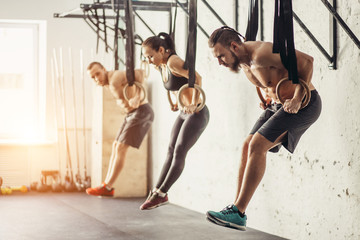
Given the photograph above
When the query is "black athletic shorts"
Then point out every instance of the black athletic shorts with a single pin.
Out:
(136, 124)
(274, 121)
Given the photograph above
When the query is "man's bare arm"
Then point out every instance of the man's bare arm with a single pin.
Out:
(136, 92)
(305, 71)
(263, 56)
(305, 66)
(266, 58)
(117, 83)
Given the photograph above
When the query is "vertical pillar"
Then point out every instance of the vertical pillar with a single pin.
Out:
(132, 181)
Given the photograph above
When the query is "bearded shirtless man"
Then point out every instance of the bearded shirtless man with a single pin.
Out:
(278, 125)
(133, 130)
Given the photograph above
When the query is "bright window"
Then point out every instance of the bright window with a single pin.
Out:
(22, 80)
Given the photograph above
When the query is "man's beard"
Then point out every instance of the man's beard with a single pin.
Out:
(235, 66)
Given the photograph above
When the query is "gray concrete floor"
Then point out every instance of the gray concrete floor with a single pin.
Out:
(78, 216)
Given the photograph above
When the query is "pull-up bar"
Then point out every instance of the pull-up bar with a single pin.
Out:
(137, 5)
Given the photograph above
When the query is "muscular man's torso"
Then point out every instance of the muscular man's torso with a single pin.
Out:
(117, 83)
(266, 76)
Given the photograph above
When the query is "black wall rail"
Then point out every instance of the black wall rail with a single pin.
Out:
(332, 58)
(93, 21)
(99, 25)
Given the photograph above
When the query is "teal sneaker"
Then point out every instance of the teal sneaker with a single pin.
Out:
(228, 217)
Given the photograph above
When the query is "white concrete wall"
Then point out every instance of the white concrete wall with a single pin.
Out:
(311, 194)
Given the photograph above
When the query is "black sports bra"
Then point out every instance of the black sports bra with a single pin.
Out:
(173, 83)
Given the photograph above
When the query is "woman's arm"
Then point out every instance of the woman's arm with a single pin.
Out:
(176, 67)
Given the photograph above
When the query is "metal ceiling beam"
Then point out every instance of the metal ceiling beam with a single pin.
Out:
(137, 5)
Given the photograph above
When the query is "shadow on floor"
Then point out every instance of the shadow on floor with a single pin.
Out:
(78, 216)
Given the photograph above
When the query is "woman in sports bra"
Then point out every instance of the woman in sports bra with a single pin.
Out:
(189, 125)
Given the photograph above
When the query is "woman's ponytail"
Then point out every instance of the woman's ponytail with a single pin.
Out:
(161, 40)
(168, 40)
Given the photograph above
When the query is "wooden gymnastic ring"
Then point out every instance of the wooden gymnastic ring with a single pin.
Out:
(173, 105)
(197, 87)
(137, 84)
(305, 102)
(266, 102)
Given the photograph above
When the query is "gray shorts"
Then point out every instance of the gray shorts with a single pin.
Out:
(136, 124)
(274, 121)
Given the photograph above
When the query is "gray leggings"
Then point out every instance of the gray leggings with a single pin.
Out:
(186, 131)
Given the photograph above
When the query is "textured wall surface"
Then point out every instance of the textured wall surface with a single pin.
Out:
(132, 181)
(311, 194)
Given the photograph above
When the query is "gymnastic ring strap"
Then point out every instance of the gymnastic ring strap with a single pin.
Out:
(190, 58)
(137, 84)
(197, 87)
(174, 106)
(305, 102)
(283, 37)
(253, 21)
(130, 43)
